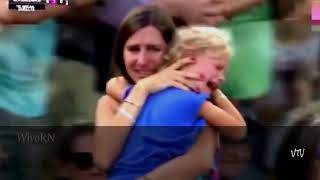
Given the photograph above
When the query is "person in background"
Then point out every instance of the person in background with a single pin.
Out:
(27, 50)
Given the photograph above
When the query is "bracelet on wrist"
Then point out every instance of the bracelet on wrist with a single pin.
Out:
(126, 114)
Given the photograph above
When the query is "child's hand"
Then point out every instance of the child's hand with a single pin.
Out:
(171, 77)
(115, 87)
(217, 93)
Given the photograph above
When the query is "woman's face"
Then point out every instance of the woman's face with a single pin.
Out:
(211, 68)
(143, 52)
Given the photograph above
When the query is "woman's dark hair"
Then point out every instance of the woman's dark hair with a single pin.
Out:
(134, 21)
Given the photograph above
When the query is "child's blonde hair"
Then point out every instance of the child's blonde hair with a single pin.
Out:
(198, 39)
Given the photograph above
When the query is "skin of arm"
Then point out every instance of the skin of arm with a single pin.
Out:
(223, 102)
(15, 17)
(224, 116)
(112, 127)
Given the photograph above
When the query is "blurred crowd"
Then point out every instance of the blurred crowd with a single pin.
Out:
(54, 65)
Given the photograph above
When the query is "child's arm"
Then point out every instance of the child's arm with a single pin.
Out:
(224, 103)
(224, 116)
(116, 87)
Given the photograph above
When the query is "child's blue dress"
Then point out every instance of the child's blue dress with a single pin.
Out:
(167, 127)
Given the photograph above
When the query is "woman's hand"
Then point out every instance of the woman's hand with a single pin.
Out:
(172, 77)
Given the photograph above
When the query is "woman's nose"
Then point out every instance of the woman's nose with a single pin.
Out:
(142, 58)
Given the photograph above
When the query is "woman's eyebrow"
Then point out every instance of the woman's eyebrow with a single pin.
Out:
(132, 45)
(147, 45)
(155, 45)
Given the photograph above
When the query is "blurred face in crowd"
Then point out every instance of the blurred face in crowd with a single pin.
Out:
(81, 166)
(143, 52)
(211, 68)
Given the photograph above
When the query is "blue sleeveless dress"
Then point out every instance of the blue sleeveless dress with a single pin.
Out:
(167, 127)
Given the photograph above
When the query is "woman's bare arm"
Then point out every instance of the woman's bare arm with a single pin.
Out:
(107, 146)
(110, 134)
(113, 126)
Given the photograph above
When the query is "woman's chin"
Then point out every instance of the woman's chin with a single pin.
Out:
(142, 77)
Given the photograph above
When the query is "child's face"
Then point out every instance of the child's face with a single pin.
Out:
(211, 68)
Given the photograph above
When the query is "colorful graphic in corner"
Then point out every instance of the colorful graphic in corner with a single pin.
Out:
(315, 11)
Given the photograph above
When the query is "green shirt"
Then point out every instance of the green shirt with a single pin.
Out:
(250, 71)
